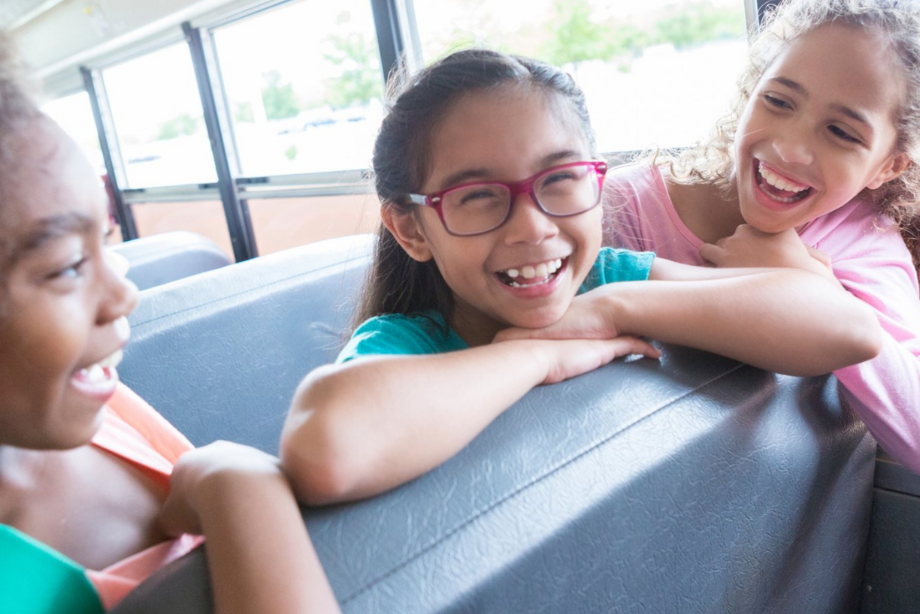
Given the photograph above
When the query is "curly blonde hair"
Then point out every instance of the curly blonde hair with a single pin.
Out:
(898, 23)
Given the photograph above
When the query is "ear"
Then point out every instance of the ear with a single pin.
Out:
(407, 231)
(892, 169)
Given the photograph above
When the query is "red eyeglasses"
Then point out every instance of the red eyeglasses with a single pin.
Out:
(477, 208)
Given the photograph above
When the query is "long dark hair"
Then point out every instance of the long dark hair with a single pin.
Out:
(396, 283)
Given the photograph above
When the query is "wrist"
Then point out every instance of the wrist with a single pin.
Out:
(615, 314)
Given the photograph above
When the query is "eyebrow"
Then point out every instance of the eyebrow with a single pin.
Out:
(800, 89)
(54, 227)
(482, 173)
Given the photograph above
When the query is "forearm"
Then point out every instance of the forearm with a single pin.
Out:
(369, 425)
(259, 554)
(785, 321)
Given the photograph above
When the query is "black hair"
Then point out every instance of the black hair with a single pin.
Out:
(17, 108)
(396, 283)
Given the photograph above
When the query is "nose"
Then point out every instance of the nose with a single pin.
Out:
(119, 293)
(528, 223)
(794, 149)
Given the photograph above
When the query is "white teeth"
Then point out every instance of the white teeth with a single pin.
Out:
(543, 272)
(112, 360)
(93, 374)
(778, 182)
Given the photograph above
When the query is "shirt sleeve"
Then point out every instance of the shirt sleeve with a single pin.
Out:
(885, 391)
(613, 265)
(398, 334)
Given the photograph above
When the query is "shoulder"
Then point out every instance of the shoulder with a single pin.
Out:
(856, 231)
(869, 257)
(421, 333)
(127, 408)
(614, 265)
(631, 182)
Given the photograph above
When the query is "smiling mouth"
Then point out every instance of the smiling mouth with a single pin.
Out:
(779, 188)
(98, 378)
(532, 274)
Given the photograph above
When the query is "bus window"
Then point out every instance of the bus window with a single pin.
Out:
(303, 84)
(157, 114)
(75, 115)
(655, 73)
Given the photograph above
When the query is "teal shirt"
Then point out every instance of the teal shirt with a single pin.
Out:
(34, 579)
(427, 333)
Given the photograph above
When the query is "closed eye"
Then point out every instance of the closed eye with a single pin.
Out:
(842, 134)
(775, 102)
(557, 177)
(478, 195)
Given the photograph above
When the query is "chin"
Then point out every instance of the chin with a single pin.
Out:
(540, 319)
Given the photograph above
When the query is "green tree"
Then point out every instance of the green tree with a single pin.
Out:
(279, 98)
(183, 125)
(699, 23)
(360, 79)
(575, 37)
(244, 113)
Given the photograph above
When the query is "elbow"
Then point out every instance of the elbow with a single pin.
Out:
(316, 453)
(867, 337)
(314, 470)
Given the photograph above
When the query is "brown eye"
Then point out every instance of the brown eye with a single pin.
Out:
(72, 271)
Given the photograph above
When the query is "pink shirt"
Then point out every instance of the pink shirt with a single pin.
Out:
(868, 257)
(136, 433)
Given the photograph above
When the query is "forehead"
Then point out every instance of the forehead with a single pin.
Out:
(506, 127)
(45, 182)
(843, 64)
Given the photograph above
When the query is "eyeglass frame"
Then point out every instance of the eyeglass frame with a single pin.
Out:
(515, 189)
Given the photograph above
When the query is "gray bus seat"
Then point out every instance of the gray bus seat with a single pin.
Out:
(693, 484)
(162, 258)
(893, 554)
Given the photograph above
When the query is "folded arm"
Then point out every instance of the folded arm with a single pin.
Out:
(783, 320)
(360, 428)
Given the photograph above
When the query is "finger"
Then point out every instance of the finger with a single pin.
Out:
(631, 345)
(712, 253)
(175, 518)
(818, 255)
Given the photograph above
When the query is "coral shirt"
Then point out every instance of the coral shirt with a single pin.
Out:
(137, 434)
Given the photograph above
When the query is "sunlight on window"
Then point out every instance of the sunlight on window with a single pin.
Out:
(75, 115)
(655, 73)
(158, 117)
(304, 85)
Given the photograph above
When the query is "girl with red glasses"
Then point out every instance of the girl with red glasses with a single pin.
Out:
(489, 182)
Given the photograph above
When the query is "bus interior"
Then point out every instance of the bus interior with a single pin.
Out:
(234, 138)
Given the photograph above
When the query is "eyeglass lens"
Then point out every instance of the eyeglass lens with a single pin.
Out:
(483, 207)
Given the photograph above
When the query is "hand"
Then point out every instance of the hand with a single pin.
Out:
(571, 357)
(588, 317)
(198, 472)
(749, 247)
